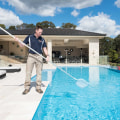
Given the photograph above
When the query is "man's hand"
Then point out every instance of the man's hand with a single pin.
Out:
(16, 39)
(47, 58)
(20, 43)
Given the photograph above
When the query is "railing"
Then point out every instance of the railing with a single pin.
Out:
(70, 59)
(103, 60)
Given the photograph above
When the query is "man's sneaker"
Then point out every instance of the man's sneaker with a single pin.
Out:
(39, 90)
(25, 91)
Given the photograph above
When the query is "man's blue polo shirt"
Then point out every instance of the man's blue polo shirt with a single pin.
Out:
(35, 43)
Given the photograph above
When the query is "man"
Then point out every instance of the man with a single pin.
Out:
(37, 43)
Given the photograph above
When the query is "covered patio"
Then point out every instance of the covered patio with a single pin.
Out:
(64, 45)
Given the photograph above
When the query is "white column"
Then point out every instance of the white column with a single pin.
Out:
(50, 49)
(94, 51)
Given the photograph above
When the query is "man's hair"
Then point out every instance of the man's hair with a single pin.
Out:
(39, 27)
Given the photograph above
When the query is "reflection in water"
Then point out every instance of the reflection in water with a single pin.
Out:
(82, 83)
(93, 76)
(49, 76)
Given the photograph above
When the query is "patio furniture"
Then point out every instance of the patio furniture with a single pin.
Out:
(2, 74)
(11, 69)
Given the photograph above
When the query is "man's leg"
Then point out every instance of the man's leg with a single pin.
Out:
(29, 68)
(39, 65)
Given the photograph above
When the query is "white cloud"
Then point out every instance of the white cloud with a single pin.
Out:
(57, 26)
(8, 18)
(100, 24)
(117, 3)
(49, 7)
(59, 10)
(74, 13)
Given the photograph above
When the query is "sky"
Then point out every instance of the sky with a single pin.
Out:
(100, 16)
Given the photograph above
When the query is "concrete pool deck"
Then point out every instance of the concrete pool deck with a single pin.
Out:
(14, 105)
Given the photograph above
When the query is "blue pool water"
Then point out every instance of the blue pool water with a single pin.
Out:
(65, 99)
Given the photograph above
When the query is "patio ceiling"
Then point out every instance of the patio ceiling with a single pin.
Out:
(71, 43)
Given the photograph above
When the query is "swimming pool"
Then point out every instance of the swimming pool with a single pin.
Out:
(65, 99)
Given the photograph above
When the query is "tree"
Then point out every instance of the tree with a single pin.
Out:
(68, 25)
(2, 25)
(113, 56)
(12, 27)
(22, 26)
(25, 26)
(28, 26)
(18, 27)
(106, 44)
(46, 24)
(117, 44)
(51, 25)
(38, 24)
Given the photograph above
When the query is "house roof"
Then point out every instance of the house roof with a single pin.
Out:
(54, 31)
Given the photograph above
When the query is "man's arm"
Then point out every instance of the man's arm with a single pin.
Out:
(46, 53)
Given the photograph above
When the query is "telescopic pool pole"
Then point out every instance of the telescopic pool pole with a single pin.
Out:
(38, 53)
